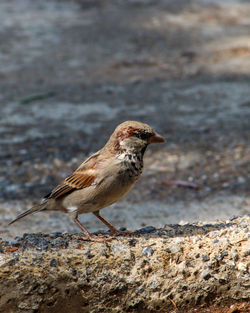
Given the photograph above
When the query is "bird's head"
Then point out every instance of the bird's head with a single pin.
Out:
(134, 136)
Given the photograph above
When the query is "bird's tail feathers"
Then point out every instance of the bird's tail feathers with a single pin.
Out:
(34, 209)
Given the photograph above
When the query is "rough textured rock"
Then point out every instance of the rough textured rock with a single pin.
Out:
(178, 267)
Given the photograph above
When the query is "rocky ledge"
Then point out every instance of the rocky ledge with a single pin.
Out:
(178, 268)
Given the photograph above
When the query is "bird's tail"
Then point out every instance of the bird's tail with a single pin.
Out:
(34, 209)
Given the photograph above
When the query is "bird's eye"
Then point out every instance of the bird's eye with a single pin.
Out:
(142, 135)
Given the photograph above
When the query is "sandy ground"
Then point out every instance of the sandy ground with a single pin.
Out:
(71, 71)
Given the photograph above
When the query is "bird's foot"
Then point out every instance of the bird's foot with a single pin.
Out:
(97, 238)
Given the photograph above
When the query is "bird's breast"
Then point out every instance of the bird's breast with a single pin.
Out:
(131, 165)
(112, 184)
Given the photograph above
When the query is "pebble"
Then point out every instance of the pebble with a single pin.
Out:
(2, 261)
(146, 230)
(196, 239)
(174, 247)
(57, 234)
(222, 280)
(147, 251)
(132, 242)
(44, 244)
(11, 262)
(246, 252)
(16, 256)
(223, 254)
(225, 185)
(90, 255)
(74, 271)
(53, 263)
(122, 228)
(88, 271)
(205, 275)
(120, 249)
(241, 180)
(209, 265)
(181, 267)
(242, 267)
(224, 239)
(14, 242)
(235, 256)
(205, 258)
(231, 264)
(233, 217)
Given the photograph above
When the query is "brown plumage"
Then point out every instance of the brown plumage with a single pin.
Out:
(103, 178)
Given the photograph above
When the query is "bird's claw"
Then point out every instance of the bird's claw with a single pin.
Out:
(94, 238)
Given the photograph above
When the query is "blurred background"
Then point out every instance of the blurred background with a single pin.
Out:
(71, 71)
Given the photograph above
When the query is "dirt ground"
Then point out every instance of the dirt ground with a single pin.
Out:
(70, 71)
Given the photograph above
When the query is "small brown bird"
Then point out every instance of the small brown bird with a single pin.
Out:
(102, 179)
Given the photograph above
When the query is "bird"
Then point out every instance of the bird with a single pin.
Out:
(103, 178)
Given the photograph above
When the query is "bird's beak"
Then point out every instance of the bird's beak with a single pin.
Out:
(156, 139)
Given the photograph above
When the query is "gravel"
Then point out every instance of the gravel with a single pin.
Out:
(190, 267)
(148, 251)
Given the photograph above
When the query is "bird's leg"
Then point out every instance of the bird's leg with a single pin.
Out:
(113, 230)
(88, 234)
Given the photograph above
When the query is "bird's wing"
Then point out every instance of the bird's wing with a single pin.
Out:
(83, 177)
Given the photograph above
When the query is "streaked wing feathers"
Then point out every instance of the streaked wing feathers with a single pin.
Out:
(80, 180)
(59, 191)
(83, 177)
(74, 181)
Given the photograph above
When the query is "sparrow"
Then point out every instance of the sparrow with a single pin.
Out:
(103, 178)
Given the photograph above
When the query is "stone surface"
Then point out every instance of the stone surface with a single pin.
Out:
(61, 272)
